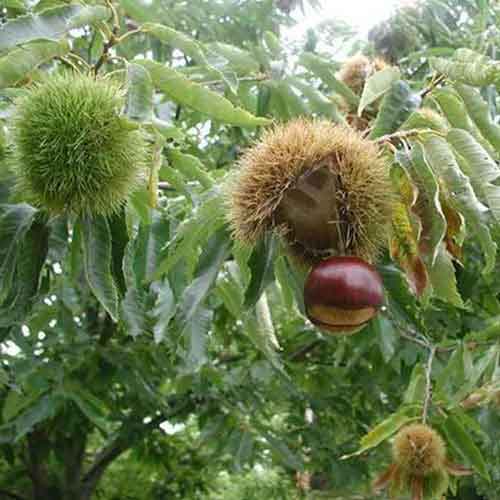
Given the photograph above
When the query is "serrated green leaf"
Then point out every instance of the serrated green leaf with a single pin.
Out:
(282, 274)
(176, 39)
(378, 85)
(89, 405)
(49, 4)
(387, 337)
(439, 155)
(191, 167)
(207, 219)
(4, 378)
(134, 312)
(167, 130)
(443, 279)
(481, 169)
(31, 256)
(195, 335)
(15, 221)
(144, 12)
(289, 458)
(261, 264)
(200, 54)
(211, 260)
(479, 111)
(18, 63)
(241, 61)
(15, 5)
(467, 67)
(96, 245)
(453, 107)
(396, 107)
(143, 253)
(402, 301)
(452, 377)
(183, 91)
(44, 408)
(52, 24)
(419, 119)
(291, 105)
(175, 179)
(436, 485)
(325, 70)
(230, 291)
(244, 450)
(463, 443)
(318, 102)
(381, 433)
(15, 402)
(164, 308)
(415, 392)
(273, 44)
(139, 93)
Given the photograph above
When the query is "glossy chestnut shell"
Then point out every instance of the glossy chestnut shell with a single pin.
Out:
(342, 294)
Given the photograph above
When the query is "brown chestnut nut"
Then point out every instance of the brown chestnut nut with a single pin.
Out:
(342, 294)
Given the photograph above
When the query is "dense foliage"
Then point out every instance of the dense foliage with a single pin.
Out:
(146, 352)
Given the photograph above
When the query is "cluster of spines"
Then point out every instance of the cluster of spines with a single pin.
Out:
(287, 152)
(73, 149)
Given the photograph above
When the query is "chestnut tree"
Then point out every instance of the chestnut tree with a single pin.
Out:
(221, 254)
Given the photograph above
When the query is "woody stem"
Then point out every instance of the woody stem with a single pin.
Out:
(428, 385)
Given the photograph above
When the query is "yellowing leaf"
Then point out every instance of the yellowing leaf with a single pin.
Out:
(406, 231)
(428, 206)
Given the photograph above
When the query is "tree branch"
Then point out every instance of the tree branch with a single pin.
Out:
(102, 461)
(301, 353)
(37, 456)
(118, 446)
(432, 86)
(10, 494)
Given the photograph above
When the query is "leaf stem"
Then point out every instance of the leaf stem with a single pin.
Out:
(252, 78)
(128, 34)
(428, 385)
(406, 134)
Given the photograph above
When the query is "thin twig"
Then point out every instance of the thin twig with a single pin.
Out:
(105, 54)
(432, 86)
(113, 38)
(69, 63)
(116, 19)
(414, 339)
(128, 34)
(405, 134)
(428, 385)
(79, 59)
